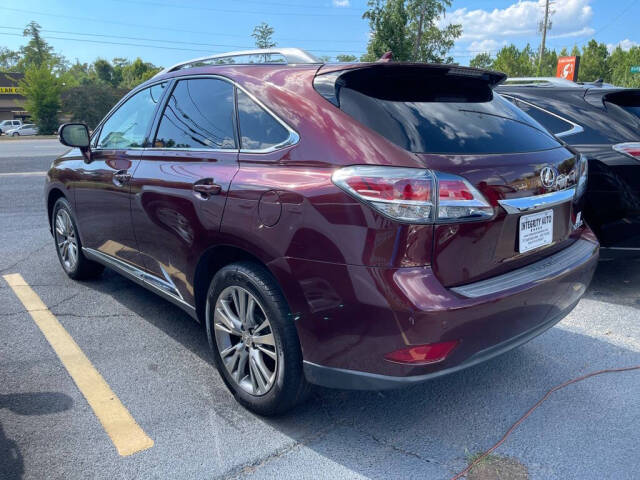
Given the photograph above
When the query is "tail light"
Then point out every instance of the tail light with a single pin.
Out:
(629, 149)
(422, 354)
(582, 171)
(414, 195)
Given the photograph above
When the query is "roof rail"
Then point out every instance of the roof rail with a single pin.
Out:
(286, 56)
(539, 81)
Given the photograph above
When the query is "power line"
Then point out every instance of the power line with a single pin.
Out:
(242, 12)
(162, 47)
(116, 43)
(278, 4)
(135, 38)
(156, 27)
(170, 41)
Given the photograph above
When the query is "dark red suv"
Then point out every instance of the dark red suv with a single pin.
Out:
(361, 226)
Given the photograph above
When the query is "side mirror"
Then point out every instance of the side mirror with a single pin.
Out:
(74, 135)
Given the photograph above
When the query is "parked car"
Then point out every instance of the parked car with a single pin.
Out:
(23, 130)
(603, 123)
(9, 125)
(340, 225)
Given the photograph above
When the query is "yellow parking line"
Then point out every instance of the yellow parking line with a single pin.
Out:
(125, 433)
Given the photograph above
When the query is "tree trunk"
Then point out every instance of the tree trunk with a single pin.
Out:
(416, 46)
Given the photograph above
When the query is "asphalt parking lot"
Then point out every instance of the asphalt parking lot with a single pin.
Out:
(155, 359)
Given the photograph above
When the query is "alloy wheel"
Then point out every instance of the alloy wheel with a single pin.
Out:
(66, 240)
(245, 340)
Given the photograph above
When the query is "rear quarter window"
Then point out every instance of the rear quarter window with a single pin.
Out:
(258, 129)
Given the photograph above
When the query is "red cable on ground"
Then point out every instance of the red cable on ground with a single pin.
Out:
(530, 411)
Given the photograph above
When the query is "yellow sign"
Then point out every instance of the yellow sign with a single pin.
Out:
(9, 90)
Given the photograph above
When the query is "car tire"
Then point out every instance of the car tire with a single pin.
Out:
(264, 369)
(15, 134)
(68, 245)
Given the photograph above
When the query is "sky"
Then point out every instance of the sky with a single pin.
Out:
(166, 32)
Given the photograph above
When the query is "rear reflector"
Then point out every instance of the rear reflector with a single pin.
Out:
(631, 149)
(423, 354)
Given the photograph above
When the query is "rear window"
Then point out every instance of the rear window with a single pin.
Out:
(435, 109)
(628, 100)
(493, 126)
(551, 122)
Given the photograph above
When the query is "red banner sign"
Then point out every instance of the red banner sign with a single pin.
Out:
(568, 68)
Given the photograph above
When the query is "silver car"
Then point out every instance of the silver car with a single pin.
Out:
(26, 129)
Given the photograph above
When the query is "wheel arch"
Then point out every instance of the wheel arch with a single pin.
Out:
(53, 196)
(210, 262)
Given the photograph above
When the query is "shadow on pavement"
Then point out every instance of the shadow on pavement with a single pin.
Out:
(424, 430)
(37, 403)
(617, 279)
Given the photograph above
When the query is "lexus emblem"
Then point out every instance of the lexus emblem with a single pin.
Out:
(548, 177)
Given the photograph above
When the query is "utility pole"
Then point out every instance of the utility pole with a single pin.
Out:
(544, 26)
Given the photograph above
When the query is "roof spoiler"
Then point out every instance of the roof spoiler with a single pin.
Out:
(419, 81)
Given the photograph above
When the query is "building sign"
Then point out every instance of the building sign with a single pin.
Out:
(9, 90)
(568, 68)
(635, 69)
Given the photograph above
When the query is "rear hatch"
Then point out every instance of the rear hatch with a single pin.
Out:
(451, 119)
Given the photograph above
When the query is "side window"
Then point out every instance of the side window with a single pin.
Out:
(127, 127)
(552, 123)
(199, 114)
(258, 129)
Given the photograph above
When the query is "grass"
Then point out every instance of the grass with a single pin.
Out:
(28, 137)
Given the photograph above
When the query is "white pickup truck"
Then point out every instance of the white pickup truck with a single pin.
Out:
(9, 125)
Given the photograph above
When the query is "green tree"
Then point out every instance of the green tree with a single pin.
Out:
(388, 23)
(515, 62)
(9, 60)
(137, 72)
(37, 51)
(549, 63)
(594, 62)
(409, 29)
(346, 58)
(620, 63)
(431, 43)
(482, 60)
(75, 75)
(103, 70)
(90, 101)
(118, 65)
(263, 34)
(324, 58)
(42, 91)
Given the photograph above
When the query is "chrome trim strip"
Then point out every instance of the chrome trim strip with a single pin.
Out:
(165, 288)
(536, 202)
(293, 139)
(572, 131)
(552, 266)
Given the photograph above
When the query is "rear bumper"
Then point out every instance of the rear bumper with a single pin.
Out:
(350, 316)
(354, 380)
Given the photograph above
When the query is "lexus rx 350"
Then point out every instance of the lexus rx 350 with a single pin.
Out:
(360, 226)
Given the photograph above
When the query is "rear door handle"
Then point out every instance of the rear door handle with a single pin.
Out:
(206, 187)
(121, 177)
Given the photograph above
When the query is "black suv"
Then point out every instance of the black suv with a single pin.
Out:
(603, 123)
